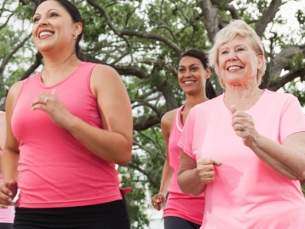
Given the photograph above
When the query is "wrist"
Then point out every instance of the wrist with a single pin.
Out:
(70, 122)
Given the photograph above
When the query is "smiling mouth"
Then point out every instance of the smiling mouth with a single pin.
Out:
(45, 34)
(188, 82)
(234, 68)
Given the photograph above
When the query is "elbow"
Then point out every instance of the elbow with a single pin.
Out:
(125, 155)
(186, 188)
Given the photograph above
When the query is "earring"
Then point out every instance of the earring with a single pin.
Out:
(74, 37)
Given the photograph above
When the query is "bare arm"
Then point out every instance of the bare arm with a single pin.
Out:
(159, 199)
(188, 178)
(11, 151)
(2, 134)
(114, 143)
(288, 159)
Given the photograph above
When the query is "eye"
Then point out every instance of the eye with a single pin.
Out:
(224, 52)
(181, 70)
(194, 69)
(54, 14)
(240, 49)
(35, 19)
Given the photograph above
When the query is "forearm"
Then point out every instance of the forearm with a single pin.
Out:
(166, 178)
(108, 145)
(286, 161)
(9, 165)
(190, 182)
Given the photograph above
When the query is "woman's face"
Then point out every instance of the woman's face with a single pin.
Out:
(192, 75)
(238, 63)
(53, 27)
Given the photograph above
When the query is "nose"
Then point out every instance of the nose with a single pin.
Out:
(188, 73)
(42, 21)
(232, 55)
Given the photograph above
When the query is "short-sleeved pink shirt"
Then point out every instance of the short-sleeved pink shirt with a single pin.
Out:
(246, 193)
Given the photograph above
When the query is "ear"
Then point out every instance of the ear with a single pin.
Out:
(208, 72)
(219, 78)
(260, 61)
(78, 28)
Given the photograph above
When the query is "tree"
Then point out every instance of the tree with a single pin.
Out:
(142, 40)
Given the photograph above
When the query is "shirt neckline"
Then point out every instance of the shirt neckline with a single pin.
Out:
(60, 82)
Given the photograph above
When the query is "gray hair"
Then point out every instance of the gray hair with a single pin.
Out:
(228, 33)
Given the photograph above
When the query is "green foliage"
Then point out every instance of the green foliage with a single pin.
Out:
(159, 31)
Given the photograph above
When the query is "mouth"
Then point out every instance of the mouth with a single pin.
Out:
(44, 34)
(234, 68)
(188, 82)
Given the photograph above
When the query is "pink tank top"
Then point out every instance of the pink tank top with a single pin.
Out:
(54, 169)
(174, 150)
(178, 203)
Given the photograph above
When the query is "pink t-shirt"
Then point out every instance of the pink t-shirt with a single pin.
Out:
(54, 169)
(178, 203)
(246, 193)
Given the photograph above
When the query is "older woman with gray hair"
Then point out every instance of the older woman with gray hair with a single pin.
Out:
(246, 147)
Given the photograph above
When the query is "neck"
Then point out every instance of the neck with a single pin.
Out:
(240, 96)
(59, 60)
(57, 69)
(192, 100)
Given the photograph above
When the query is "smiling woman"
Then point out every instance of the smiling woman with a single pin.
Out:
(245, 148)
(182, 210)
(66, 132)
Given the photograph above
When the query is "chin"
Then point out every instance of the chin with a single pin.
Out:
(44, 48)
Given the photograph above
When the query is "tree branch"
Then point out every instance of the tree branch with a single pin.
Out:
(103, 13)
(6, 60)
(123, 33)
(267, 16)
(281, 81)
(152, 36)
(145, 122)
(144, 172)
(6, 21)
(282, 60)
(32, 68)
(210, 18)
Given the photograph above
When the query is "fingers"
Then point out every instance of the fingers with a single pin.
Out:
(206, 170)
(43, 100)
(158, 201)
(208, 163)
(7, 192)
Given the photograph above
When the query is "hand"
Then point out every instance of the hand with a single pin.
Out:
(244, 127)
(205, 170)
(7, 192)
(158, 201)
(49, 103)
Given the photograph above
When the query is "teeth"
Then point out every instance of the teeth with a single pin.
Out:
(233, 68)
(45, 34)
(188, 82)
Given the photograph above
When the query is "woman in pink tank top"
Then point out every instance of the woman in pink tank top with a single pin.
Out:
(181, 210)
(66, 132)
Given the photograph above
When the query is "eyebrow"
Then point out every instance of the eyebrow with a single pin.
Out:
(47, 12)
(192, 65)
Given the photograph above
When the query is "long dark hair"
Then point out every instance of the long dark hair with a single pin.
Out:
(198, 54)
(76, 17)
